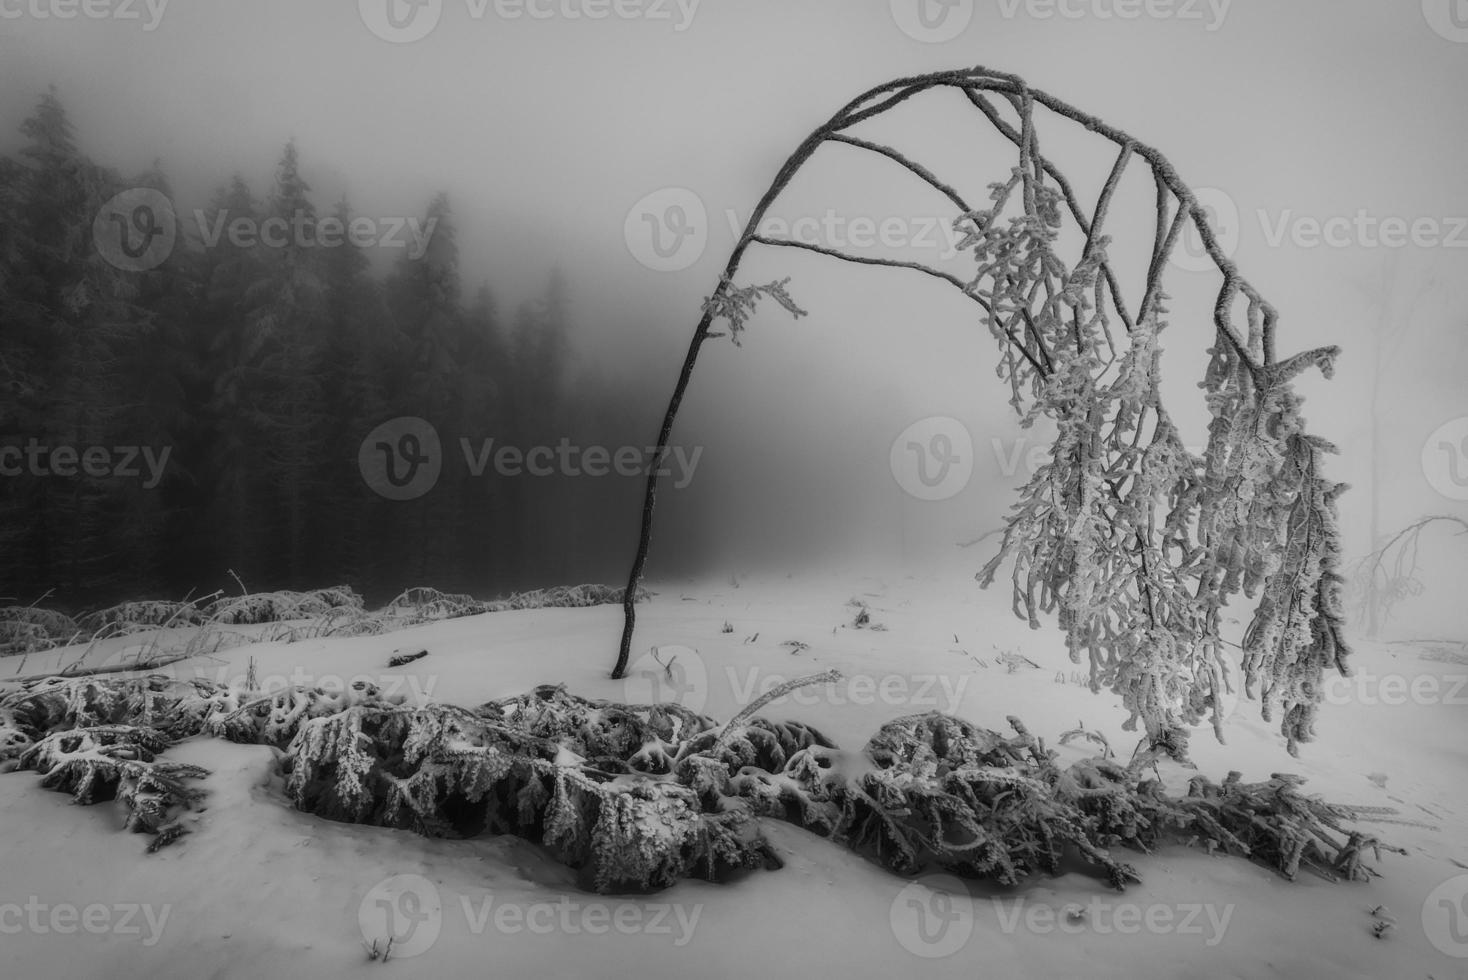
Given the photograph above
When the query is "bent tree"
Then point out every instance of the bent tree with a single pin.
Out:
(1133, 542)
(1390, 574)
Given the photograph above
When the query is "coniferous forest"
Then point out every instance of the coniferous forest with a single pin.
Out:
(197, 426)
(528, 484)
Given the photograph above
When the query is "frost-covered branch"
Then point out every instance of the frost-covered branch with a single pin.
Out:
(1133, 542)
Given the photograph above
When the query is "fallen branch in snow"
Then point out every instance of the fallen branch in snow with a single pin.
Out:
(275, 607)
(119, 762)
(736, 723)
(430, 604)
(131, 668)
(31, 629)
(637, 797)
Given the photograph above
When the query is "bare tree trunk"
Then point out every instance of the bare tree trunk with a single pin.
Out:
(1383, 327)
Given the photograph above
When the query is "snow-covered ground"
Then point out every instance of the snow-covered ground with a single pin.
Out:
(260, 890)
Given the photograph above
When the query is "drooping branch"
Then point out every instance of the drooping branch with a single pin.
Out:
(949, 278)
(1072, 203)
(1164, 243)
(922, 172)
(1134, 542)
(731, 730)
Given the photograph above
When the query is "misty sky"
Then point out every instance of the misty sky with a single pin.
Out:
(545, 131)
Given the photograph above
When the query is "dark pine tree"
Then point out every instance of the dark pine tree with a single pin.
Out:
(425, 306)
(284, 403)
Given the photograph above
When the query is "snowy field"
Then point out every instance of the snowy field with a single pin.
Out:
(261, 890)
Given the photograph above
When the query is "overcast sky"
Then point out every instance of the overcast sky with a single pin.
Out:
(547, 126)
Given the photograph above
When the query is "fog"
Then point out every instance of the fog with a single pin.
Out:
(548, 130)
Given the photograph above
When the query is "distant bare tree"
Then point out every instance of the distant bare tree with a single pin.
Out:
(1380, 580)
(1393, 323)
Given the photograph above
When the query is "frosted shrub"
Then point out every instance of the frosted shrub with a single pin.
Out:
(638, 797)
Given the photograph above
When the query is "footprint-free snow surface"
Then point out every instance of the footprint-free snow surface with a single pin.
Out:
(260, 890)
